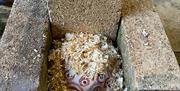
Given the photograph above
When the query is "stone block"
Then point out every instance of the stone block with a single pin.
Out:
(94, 16)
(24, 47)
(149, 62)
(169, 12)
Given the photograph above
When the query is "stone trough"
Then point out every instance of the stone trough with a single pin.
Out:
(135, 28)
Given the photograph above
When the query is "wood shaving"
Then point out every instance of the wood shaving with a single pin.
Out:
(87, 54)
(82, 50)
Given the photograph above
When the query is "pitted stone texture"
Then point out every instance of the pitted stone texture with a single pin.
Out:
(169, 12)
(149, 62)
(24, 47)
(84, 15)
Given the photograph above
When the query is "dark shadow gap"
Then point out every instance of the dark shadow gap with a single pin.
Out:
(118, 29)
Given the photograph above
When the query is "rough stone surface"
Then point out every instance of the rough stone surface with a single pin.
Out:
(169, 11)
(4, 14)
(24, 47)
(149, 62)
(84, 15)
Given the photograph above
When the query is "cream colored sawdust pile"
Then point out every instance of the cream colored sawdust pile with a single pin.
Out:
(85, 54)
(88, 53)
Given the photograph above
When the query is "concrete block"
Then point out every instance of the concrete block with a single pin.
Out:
(24, 47)
(149, 62)
(94, 16)
(169, 12)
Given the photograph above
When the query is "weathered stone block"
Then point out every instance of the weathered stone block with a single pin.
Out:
(84, 15)
(169, 12)
(149, 62)
(24, 47)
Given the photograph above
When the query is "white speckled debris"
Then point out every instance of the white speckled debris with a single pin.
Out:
(88, 64)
